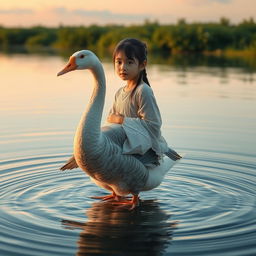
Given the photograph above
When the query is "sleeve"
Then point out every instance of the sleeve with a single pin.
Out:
(148, 111)
(114, 109)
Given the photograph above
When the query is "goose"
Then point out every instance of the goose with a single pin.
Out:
(98, 150)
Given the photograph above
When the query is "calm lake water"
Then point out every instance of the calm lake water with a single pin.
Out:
(206, 204)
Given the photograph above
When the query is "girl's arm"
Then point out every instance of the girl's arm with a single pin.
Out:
(144, 132)
(113, 116)
(148, 110)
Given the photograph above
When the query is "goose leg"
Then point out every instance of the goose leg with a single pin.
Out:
(134, 202)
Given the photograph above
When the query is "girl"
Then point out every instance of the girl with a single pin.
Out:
(135, 106)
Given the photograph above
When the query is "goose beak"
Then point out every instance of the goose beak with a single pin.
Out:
(69, 67)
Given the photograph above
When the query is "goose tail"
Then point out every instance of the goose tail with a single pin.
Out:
(157, 173)
(71, 164)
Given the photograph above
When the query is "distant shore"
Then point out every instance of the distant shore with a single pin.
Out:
(221, 38)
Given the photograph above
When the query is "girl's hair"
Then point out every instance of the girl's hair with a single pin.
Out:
(134, 48)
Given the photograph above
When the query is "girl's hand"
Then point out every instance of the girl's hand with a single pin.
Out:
(115, 119)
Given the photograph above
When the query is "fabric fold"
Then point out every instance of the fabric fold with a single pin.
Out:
(138, 139)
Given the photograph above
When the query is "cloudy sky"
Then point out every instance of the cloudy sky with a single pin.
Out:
(86, 12)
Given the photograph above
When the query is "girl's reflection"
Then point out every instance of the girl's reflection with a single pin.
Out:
(116, 231)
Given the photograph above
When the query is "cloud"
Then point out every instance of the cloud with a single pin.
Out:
(206, 2)
(221, 1)
(16, 11)
(61, 15)
(102, 15)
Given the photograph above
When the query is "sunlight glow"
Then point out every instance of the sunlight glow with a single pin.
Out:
(56, 12)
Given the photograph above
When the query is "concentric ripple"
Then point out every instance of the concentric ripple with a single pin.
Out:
(205, 206)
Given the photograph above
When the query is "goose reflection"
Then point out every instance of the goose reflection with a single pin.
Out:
(115, 231)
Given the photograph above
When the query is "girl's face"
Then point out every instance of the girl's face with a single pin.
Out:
(127, 69)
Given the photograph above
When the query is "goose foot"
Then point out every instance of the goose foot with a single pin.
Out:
(133, 203)
(113, 196)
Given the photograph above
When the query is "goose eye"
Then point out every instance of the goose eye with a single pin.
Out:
(82, 56)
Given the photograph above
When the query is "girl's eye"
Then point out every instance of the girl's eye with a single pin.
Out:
(130, 62)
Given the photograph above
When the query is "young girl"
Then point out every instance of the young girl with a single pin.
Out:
(135, 106)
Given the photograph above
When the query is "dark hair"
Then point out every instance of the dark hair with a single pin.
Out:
(134, 48)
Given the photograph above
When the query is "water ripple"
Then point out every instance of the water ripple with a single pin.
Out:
(205, 206)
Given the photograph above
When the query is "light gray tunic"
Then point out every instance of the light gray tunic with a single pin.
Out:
(142, 123)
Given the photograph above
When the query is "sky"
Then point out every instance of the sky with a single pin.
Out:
(86, 12)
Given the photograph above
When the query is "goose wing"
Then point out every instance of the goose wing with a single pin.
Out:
(71, 164)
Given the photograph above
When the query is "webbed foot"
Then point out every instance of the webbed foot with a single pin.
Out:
(133, 203)
(113, 196)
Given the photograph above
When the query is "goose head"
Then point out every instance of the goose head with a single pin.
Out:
(83, 59)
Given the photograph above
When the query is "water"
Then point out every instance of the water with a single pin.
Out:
(206, 204)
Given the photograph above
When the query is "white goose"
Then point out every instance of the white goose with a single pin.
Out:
(98, 151)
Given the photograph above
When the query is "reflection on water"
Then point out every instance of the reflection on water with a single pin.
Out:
(208, 112)
(112, 230)
(245, 61)
(211, 195)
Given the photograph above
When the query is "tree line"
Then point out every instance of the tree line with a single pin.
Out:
(181, 37)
